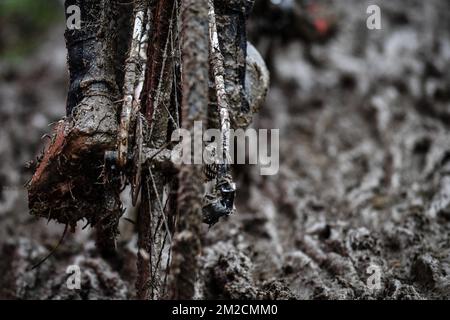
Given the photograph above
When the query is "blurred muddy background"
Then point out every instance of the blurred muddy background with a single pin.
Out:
(364, 181)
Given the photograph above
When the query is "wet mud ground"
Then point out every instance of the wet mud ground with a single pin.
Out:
(364, 177)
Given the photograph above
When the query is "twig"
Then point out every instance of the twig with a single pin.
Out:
(53, 250)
